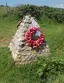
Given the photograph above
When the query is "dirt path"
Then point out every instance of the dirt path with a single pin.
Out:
(4, 41)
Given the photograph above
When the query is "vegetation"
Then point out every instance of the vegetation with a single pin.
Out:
(40, 12)
(43, 70)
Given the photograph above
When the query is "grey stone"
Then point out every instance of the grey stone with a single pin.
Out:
(21, 52)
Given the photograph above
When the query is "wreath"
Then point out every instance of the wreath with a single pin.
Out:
(31, 39)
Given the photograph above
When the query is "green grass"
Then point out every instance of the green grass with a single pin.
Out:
(43, 70)
(54, 34)
(2, 10)
(7, 30)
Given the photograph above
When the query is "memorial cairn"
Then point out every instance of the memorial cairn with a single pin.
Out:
(28, 42)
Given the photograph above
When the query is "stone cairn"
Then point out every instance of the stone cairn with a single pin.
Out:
(21, 52)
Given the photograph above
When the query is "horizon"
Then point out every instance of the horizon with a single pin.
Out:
(30, 4)
(53, 3)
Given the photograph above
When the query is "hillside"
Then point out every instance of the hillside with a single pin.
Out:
(43, 70)
(2, 10)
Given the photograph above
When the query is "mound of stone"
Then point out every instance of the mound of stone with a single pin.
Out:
(21, 52)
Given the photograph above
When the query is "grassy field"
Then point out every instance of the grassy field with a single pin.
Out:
(7, 30)
(43, 70)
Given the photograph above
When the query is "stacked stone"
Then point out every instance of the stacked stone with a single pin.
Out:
(21, 52)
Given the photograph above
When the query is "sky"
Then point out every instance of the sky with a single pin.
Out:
(53, 3)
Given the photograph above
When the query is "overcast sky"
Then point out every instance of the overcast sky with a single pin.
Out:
(53, 3)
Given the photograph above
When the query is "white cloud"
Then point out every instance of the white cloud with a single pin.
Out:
(60, 6)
